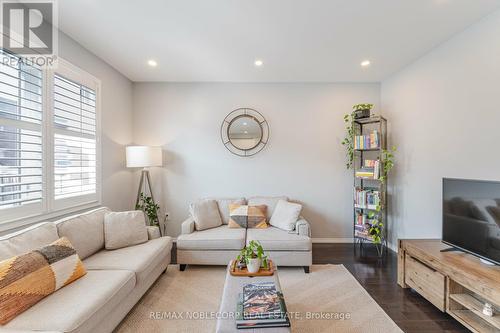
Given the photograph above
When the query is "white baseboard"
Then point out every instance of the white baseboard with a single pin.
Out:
(332, 240)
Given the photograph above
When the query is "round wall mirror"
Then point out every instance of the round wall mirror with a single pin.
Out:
(244, 132)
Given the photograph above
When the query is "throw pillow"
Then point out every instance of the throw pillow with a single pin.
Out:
(285, 215)
(122, 229)
(28, 278)
(238, 216)
(495, 213)
(257, 217)
(205, 214)
(244, 216)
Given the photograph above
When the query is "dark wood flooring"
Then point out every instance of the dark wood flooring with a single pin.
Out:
(411, 312)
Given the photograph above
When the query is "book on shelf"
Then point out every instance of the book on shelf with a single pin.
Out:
(362, 225)
(366, 198)
(369, 170)
(368, 141)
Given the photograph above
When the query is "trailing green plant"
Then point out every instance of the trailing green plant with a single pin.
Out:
(348, 141)
(387, 160)
(364, 106)
(376, 226)
(150, 208)
(252, 251)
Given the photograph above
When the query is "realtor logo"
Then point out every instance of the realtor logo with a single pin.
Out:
(28, 27)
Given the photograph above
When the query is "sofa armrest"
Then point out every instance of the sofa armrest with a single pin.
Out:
(153, 232)
(302, 227)
(187, 226)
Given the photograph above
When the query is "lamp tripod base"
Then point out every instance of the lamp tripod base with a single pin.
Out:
(146, 182)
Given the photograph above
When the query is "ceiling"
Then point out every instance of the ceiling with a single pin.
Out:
(297, 40)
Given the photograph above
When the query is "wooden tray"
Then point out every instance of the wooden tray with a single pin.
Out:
(235, 271)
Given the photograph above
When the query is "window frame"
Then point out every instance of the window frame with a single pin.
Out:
(50, 207)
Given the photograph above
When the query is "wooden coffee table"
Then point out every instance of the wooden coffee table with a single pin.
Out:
(234, 286)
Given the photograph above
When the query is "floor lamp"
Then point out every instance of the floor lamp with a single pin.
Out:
(144, 157)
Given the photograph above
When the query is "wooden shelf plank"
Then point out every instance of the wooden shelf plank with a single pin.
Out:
(471, 321)
(476, 307)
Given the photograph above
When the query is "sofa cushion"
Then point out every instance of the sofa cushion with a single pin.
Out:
(28, 239)
(89, 299)
(85, 231)
(139, 259)
(122, 229)
(220, 238)
(223, 204)
(238, 216)
(244, 216)
(270, 202)
(205, 214)
(29, 277)
(274, 239)
(285, 215)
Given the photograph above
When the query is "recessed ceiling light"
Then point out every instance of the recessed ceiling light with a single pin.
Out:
(246, 132)
(258, 62)
(365, 63)
(245, 123)
(152, 63)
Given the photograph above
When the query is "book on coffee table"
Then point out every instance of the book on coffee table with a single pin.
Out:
(261, 301)
(261, 305)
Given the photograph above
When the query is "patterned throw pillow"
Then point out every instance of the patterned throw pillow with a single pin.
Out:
(243, 216)
(27, 278)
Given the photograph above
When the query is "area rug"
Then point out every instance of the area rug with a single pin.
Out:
(329, 299)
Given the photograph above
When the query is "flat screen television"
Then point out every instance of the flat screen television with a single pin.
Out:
(471, 217)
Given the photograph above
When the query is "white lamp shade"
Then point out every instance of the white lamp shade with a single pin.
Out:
(143, 156)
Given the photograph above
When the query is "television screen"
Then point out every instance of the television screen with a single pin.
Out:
(471, 217)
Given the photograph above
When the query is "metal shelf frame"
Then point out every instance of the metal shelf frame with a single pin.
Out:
(363, 127)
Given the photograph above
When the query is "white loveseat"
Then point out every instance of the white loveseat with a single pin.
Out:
(114, 283)
(217, 246)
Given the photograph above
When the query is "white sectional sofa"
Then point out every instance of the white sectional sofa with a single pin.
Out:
(114, 283)
(217, 246)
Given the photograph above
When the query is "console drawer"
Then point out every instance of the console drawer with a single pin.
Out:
(426, 281)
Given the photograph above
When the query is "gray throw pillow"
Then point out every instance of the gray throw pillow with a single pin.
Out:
(205, 214)
(122, 229)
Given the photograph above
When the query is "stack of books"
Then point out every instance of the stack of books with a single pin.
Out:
(362, 226)
(370, 141)
(366, 199)
(261, 305)
(370, 170)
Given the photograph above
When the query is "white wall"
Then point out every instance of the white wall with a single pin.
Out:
(304, 158)
(444, 117)
(116, 114)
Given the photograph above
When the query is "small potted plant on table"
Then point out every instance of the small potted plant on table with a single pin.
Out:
(252, 256)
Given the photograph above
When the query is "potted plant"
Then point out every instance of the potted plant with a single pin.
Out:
(150, 208)
(375, 226)
(362, 110)
(253, 257)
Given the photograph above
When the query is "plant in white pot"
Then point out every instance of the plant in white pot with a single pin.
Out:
(253, 257)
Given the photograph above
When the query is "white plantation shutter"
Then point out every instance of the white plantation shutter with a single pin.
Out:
(75, 140)
(49, 140)
(21, 116)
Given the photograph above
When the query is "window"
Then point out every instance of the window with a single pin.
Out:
(48, 140)
(75, 168)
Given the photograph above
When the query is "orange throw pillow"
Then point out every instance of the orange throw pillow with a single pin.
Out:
(243, 216)
(28, 278)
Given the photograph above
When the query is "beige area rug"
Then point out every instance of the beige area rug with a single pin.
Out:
(329, 290)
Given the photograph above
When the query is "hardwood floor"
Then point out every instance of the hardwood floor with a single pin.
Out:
(411, 312)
